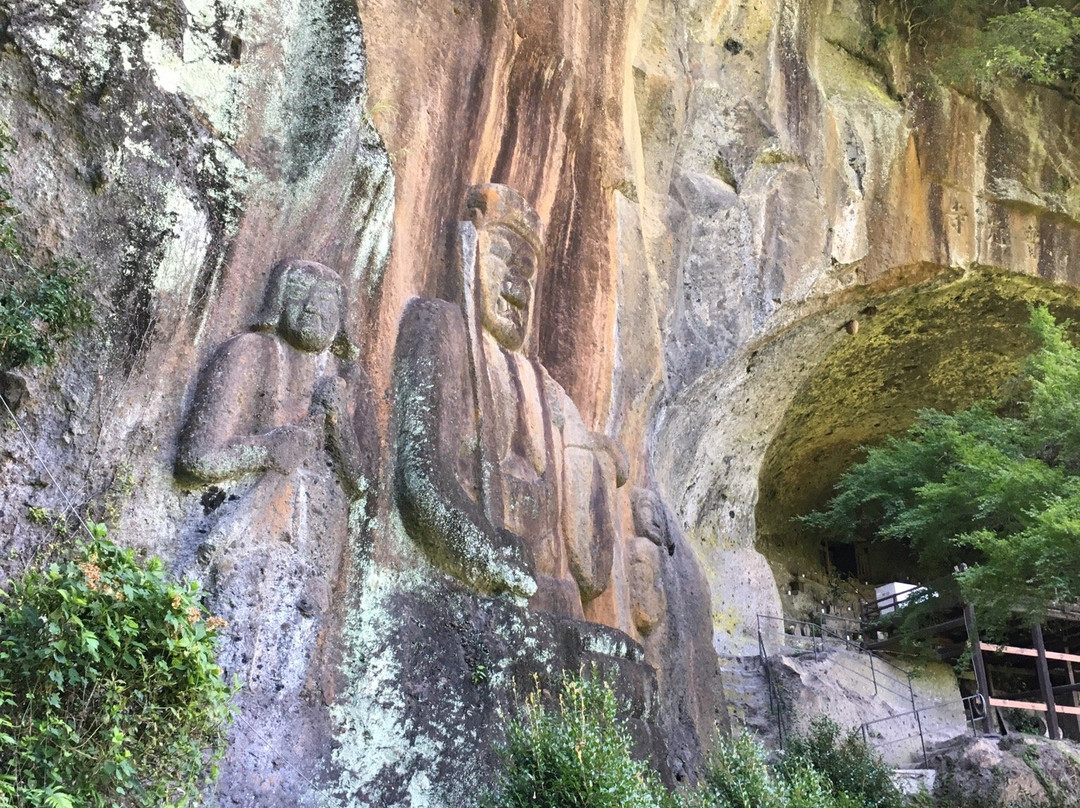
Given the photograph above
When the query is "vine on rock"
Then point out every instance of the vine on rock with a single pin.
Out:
(41, 306)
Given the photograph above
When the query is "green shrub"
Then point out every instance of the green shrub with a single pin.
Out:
(574, 756)
(40, 306)
(818, 770)
(737, 776)
(849, 766)
(109, 691)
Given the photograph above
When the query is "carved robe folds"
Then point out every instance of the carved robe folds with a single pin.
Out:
(498, 478)
(504, 487)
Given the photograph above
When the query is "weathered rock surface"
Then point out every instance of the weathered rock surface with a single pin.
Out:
(1025, 770)
(724, 187)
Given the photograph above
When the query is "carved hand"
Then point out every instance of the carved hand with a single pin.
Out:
(330, 397)
(519, 573)
(615, 450)
(290, 445)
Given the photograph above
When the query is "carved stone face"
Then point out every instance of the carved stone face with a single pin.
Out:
(507, 271)
(649, 518)
(311, 310)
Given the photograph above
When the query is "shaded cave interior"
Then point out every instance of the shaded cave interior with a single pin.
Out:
(943, 344)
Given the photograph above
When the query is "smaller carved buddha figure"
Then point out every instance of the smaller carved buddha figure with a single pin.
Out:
(273, 434)
(273, 397)
(645, 553)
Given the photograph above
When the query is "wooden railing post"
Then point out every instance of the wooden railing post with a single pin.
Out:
(979, 665)
(1044, 682)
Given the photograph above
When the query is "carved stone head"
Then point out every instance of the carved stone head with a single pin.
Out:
(650, 517)
(509, 242)
(305, 305)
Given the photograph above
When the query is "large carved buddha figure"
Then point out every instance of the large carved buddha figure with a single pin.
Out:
(498, 478)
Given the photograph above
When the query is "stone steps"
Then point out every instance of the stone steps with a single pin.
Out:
(747, 691)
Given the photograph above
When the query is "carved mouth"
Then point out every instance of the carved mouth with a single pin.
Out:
(509, 311)
(512, 303)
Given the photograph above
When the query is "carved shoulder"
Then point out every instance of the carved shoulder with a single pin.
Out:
(432, 360)
(228, 394)
(428, 324)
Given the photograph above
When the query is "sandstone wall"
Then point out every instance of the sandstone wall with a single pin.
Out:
(724, 185)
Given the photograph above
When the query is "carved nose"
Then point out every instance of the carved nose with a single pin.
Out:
(516, 293)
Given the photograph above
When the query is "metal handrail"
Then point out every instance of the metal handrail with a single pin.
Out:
(817, 635)
(828, 616)
(874, 609)
(856, 627)
(875, 675)
(774, 692)
(969, 716)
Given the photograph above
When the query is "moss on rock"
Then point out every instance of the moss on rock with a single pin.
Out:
(942, 344)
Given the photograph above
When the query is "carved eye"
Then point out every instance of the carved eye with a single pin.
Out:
(500, 248)
(525, 261)
(296, 287)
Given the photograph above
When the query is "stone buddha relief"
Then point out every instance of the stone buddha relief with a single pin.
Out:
(498, 478)
(277, 396)
(276, 441)
(646, 552)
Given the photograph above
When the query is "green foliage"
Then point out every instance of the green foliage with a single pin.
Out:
(847, 763)
(987, 41)
(1035, 44)
(997, 488)
(40, 306)
(737, 776)
(576, 755)
(109, 691)
(822, 769)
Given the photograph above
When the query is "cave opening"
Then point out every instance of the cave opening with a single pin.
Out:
(944, 344)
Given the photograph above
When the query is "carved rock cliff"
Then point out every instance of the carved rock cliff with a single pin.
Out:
(721, 185)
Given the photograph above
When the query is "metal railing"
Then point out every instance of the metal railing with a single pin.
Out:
(882, 674)
(775, 705)
(898, 684)
(873, 610)
(849, 627)
(967, 704)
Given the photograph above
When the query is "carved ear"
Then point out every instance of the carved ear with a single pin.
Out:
(476, 216)
(270, 314)
(343, 347)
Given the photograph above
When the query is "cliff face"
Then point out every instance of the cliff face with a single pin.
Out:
(811, 175)
(722, 185)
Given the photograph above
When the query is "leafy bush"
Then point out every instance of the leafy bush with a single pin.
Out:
(578, 756)
(40, 306)
(995, 486)
(818, 770)
(737, 776)
(983, 42)
(849, 766)
(1036, 44)
(109, 692)
(574, 756)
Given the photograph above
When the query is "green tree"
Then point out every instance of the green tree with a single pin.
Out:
(1038, 44)
(995, 486)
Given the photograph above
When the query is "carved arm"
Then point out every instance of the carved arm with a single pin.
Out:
(220, 440)
(435, 409)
